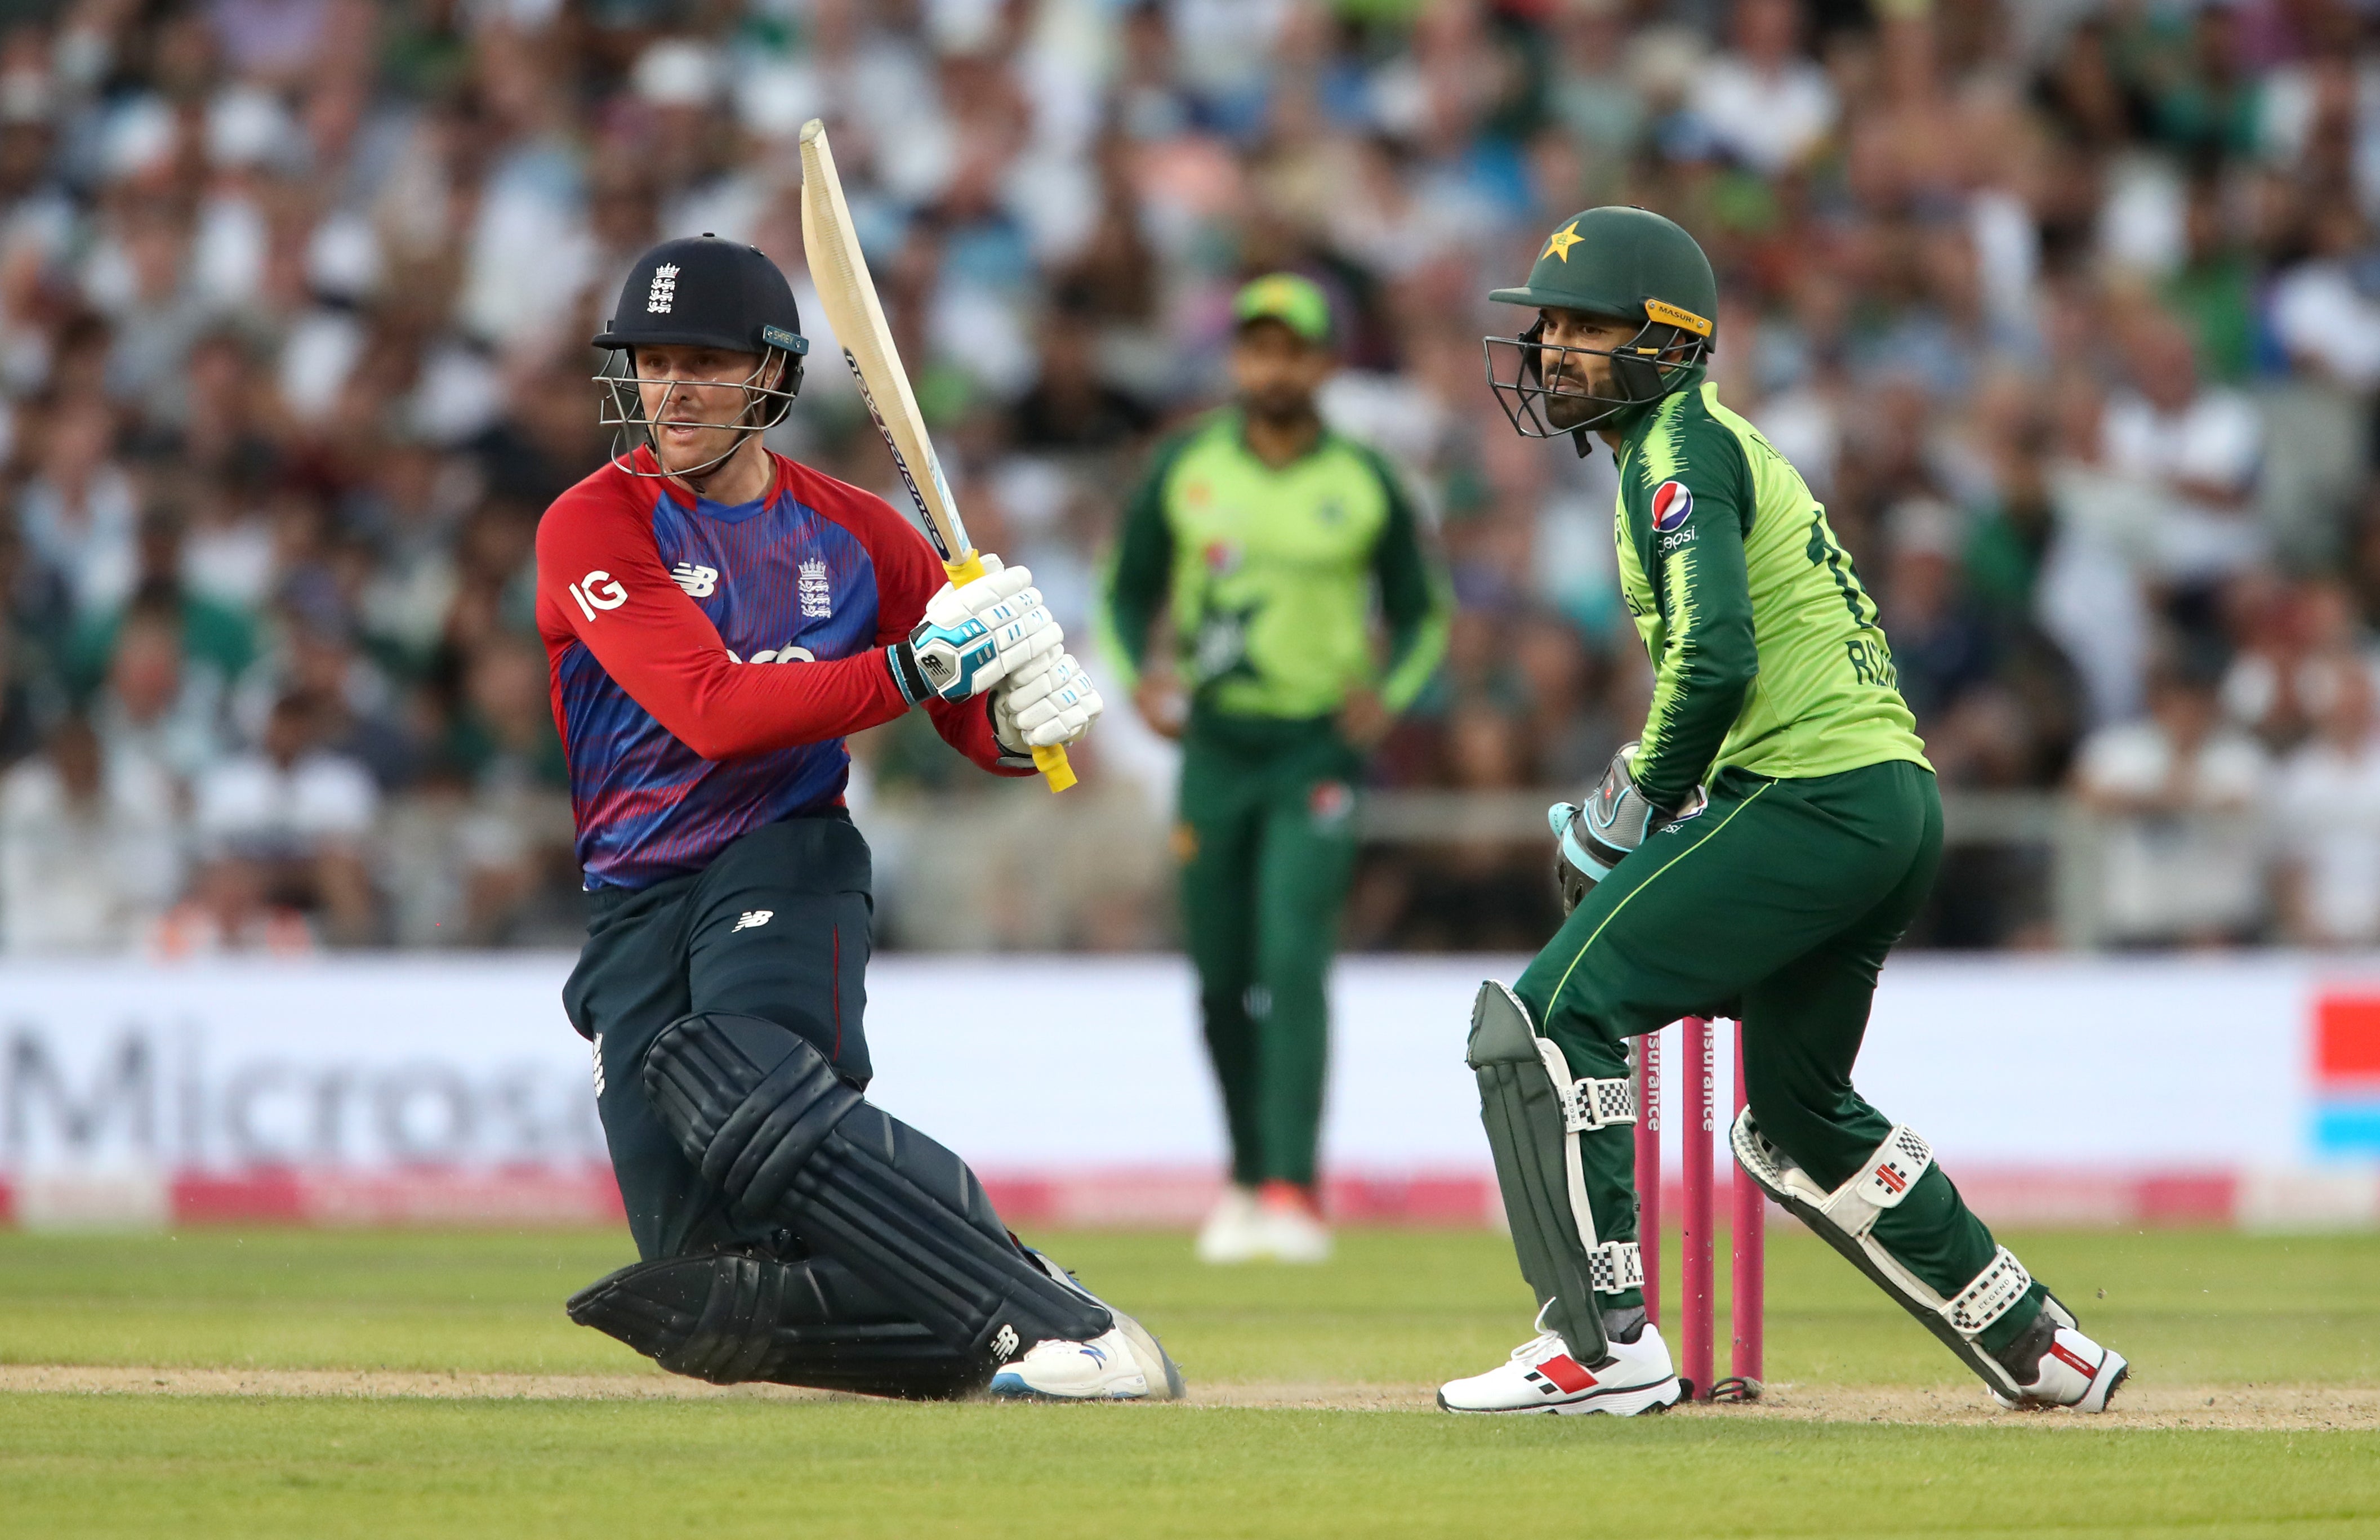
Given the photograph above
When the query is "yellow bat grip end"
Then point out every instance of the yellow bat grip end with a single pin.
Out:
(1052, 762)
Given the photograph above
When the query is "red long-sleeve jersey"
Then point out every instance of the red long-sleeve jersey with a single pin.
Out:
(666, 618)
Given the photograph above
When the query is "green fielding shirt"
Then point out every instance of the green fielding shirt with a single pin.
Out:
(1271, 574)
(1765, 651)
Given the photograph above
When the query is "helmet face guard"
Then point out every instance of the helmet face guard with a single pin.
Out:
(768, 392)
(1657, 361)
(700, 292)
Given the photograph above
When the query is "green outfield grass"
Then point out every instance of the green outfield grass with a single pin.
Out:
(2190, 1308)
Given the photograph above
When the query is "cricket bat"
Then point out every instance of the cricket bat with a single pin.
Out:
(848, 296)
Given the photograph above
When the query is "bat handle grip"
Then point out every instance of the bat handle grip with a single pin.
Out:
(1049, 760)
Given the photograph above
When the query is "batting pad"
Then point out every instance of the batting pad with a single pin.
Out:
(729, 1317)
(1846, 1217)
(765, 1117)
(1532, 1110)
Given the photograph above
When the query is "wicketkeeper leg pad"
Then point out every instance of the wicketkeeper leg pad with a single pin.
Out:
(730, 1317)
(1846, 1218)
(762, 1114)
(1533, 1110)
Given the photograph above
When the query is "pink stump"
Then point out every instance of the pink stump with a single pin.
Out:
(1649, 1168)
(1746, 1231)
(1697, 1294)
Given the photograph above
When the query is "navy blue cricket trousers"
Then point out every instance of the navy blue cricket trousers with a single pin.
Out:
(777, 927)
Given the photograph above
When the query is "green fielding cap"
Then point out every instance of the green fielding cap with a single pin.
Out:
(1297, 303)
(1622, 261)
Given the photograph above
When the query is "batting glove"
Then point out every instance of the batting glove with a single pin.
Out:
(1044, 701)
(972, 636)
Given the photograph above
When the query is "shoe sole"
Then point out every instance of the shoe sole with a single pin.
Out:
(1636, 1401)
(1013, 1388)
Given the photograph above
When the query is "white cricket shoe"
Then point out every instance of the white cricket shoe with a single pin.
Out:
(1288, 1229)
(1107, 1368)
(2073, 1371)
(1230, 1235)
(1124, 1362)
(1541, 1375)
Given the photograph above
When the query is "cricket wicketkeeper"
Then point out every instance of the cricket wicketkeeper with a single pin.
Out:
(717, 618)
(1756, 854)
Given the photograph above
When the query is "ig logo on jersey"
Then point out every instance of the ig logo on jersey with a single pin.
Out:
(1671, 503)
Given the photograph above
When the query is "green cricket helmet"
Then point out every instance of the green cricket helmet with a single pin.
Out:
(1624, 262)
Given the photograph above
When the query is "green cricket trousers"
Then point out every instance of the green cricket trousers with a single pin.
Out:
(1775, 905)
(1267, 841)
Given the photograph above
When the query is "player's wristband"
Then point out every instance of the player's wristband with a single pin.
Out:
(907, 677)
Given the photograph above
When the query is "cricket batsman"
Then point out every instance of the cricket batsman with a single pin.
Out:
(1754, 853)
(717, 617)
(1272, 539)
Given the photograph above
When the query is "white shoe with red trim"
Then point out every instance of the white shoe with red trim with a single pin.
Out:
(1541, 1375)
(2074, 1372)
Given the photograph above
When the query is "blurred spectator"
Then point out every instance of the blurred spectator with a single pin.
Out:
(1761, 100)
(2199, 443)
(288, 823)
(90, 849)
(2179, 791)
(2327, 309)
(1069, 406)
(157, 708)
(1941, 644)
(215, 635)
(80, 510)
(458, 866)
(2327, 801)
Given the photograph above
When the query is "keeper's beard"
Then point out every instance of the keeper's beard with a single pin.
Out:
(1565, 412)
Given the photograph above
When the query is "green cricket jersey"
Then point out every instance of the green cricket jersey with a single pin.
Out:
(1766, 650)
(1271, 574)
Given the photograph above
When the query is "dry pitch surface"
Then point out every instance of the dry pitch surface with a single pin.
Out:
(2238, 1407)
(270, 1384)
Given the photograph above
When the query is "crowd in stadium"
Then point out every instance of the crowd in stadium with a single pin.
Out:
(2070, 313)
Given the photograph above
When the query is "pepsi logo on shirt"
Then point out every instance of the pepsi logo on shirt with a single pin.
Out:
(1671, 503)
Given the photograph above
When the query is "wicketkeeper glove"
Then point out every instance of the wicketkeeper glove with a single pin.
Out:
(972, 636)
(1616, 818)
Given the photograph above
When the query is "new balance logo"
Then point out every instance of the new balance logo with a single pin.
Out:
(697, 582)
(752, 919)
(817, 598)
(664, 290)
(1005, 1346)
(599, 1063)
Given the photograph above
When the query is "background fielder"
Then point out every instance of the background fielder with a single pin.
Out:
(1272, 540)
(1756, 854)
